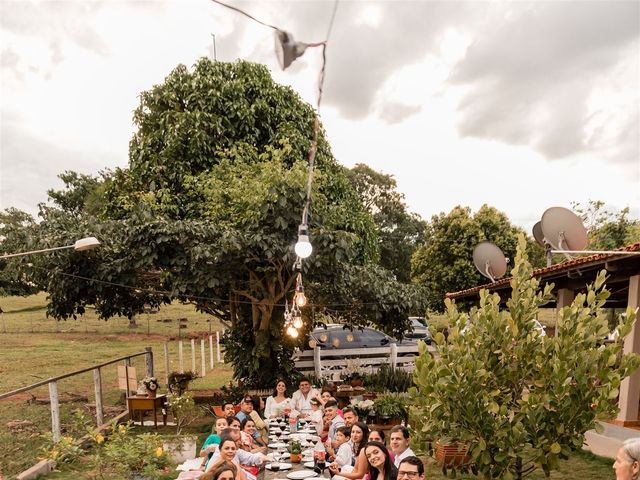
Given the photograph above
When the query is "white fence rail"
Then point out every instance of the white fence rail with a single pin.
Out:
(323, 362)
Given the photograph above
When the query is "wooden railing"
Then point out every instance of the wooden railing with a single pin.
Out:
(97, 381)
(325, 362)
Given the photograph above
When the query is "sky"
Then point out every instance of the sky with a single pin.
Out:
(519, 105)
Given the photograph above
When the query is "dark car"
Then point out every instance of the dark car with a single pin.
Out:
(420, 330)
(336, 336)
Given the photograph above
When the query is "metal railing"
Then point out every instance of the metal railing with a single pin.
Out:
(97, 381)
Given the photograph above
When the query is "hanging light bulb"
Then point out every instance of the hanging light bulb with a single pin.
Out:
(303, 247)
(299, 298)
(292, 332)
(297, 321)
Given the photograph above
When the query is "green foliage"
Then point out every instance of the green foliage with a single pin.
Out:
(388, 379)
(16, 230)
(64, 450)
(519, 400)
(399, 232)
(444, 262)
(126, 453)
(608, 230)
(391, 405)
(295, 447)
(183, 409)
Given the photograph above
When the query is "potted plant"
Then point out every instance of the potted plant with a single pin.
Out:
(151, 384)
(352, 372)
(364, 408)
(179, 381)
(390, 408)
(295, 449)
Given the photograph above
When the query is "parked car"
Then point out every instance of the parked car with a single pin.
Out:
(420, 330)
(336, 336)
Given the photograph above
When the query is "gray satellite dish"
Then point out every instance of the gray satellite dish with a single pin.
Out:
(489, 260)
(563, 229)
(537, 234)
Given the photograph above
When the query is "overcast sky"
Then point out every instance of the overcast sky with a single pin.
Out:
(520, 105)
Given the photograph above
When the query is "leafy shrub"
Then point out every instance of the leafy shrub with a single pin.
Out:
(391, 405)
(388, 379)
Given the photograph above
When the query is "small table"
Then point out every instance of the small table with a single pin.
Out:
(143, 403)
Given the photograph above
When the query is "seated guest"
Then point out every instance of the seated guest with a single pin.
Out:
(399, 443)
(411, 468)
(331, 416)
(247, 410)
(211, 443)
(316, 415)
(342, 454)
(278, 401)
(350, 416)
(247, 432)
(380, 465)
(229, 409)
(228, 451)
(226, 471)
(301, 397)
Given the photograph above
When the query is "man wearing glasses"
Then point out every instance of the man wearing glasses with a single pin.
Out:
(411, 468)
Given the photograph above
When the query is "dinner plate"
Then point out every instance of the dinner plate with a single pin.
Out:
(309, 464)
(277, 445)
(306, 430)
(301, 474)
(306, 459)
(283, 466)
(306, 453)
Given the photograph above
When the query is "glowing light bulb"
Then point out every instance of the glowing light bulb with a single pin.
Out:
(292, 332)
(303, 247)
(301, 299)
(297, 322)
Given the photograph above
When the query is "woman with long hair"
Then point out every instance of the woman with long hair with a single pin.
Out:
(278, 401)
(359, 437)
(247, 435)
(380, 464)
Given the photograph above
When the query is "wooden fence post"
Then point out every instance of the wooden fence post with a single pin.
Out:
(394, 355)
(211, 351)
(166, 362)
(127, 364)
(218, 344)
(203, 358)
(316, 362)
(180, 356)
(148, 358)
(55, 411)
(97, 385)
(193, 355)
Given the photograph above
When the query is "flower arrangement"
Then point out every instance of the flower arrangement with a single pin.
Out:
(353, 369)
(363, 408)
(150, 383)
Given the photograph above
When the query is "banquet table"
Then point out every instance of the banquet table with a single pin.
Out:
(308, 437)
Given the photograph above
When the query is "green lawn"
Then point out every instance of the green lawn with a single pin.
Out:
(37, 348)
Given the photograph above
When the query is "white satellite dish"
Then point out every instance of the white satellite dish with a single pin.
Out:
(489, 260)
(537, 234)
(564, 230)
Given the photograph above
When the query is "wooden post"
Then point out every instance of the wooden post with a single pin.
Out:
(316, 362)
(211, 351)
(394, 355)
(180, 358)
(218, 345)
(193, 355)
(203, 358)
(127, 364)
(55, 411)
(148, 358)
(97, 385)
(166, 363)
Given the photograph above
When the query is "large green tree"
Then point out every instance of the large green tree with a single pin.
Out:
(208, 211)
(399, 231)
(444, 262)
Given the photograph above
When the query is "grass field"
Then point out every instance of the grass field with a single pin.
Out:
(36, 348)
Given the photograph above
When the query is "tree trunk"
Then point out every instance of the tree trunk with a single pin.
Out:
(519, 468)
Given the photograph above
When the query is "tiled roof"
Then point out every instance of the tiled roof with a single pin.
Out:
(559, 267)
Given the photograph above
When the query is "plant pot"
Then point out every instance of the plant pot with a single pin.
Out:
(356, 382)
(181, 448)
(296, 457)
(390, 421)
(452, 454)
(152, 393)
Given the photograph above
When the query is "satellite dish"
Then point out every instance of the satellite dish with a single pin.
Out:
(489, 260)
(563, 229)
(537, 234)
